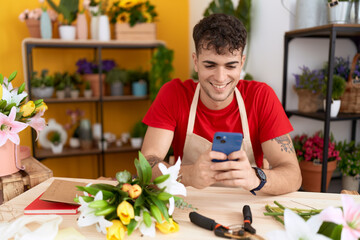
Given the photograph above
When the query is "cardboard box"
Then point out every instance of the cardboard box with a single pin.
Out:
(140, 31)
(17, 183)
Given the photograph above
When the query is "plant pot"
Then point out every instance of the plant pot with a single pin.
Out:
(34, 27)
(74, 142)
(117, 89)
(9, 164)
(57, 148)
(74, 94)
(308, 101)
(334, 108)
(81, 26)
(311, 175)
(86, 144)
(60, 94)
(42, 92)
(104, 28)
(139, 88)
(94, 80)
(350, 183)
(339, 13)
(136, 142)
(88, 93)
(67, 32)
(140, 31)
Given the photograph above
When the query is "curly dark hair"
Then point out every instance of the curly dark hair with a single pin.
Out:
(220, 32)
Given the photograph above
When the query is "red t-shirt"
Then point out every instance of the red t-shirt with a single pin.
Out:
(266, 116)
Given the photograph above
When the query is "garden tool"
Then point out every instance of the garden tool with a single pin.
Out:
(237, 231)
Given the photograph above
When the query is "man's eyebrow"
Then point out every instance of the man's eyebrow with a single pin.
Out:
(228, 63)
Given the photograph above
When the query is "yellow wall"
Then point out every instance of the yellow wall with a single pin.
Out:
(173, 30)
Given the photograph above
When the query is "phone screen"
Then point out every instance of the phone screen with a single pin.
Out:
(226, 142)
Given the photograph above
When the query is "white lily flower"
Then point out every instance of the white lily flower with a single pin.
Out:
(172, 185)
(10, 94)
(171, 205)
(87, 216)
(297, 228)
(146, 231)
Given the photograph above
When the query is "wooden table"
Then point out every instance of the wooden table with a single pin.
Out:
(224, 205)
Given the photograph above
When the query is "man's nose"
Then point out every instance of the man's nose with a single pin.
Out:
(221, 74)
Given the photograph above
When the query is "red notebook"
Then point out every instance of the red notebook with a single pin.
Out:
(38, 207)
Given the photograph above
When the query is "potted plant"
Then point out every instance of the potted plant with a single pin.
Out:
(309, 151)
(90, 72)
(116, 78)
(68, 9)
(161, 69)
(139, 80)
(87, 90)
(308, 86)
(74, 91)
(42, 86)
(60, 90)
(56, 144)
(133, 21)
(349, 165)
(339, 86)
(137, 134)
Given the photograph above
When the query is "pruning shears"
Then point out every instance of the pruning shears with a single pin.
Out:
(239, 231)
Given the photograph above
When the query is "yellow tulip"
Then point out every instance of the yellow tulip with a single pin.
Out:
(43, 106)
(1, 91)
(125, 211)
(27, 108)
(168, 227)
(116, 231)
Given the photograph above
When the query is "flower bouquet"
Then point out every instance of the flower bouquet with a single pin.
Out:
(134, 202)
(15, 115)
(309, 151)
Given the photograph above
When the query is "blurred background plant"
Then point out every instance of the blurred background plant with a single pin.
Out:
(309, 79)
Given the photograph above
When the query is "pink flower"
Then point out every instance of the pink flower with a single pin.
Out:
(9, 128)
(349, 217)
(37, 122)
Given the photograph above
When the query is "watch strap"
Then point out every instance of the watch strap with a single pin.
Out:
(262, 180)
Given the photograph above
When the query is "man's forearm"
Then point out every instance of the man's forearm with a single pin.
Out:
(154, 163)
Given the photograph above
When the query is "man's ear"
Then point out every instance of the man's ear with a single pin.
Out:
(243, 58)
(195, 59)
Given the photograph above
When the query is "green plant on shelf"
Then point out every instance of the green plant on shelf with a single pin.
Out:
(44, 80)
(138, 130)
(117, 75)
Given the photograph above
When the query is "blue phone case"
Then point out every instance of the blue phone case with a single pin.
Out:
(226, 142)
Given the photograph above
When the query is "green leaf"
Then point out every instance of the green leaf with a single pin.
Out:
(336, 234)
(38, 102)
(8, 108)
(139, 201)
(104, 186)
(147, 218)
(161, 178)
(327, 228)
(155, 212)
(2, 104)
(164, 196)
(123, 177)
(131, 226)
(21, 88)
(146, 169)
(1, 79)
(105, 211)
(138, 169)
(12, 76)
(161, 205)
(94, 191)
(98, 204)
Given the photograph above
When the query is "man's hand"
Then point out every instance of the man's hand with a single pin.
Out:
(237, 172)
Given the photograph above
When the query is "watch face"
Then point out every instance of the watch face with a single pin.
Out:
(261, 173)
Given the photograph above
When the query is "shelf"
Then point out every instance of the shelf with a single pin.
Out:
(42, 153)
(342, 30)
(59, 43)
(320, 115)
(96, 99)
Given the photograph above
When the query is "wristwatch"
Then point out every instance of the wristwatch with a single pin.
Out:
(261, 175)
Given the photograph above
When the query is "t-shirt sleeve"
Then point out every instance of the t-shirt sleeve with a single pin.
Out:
(273, 119)
(161, 113)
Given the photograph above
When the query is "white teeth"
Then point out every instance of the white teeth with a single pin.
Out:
(219, 86)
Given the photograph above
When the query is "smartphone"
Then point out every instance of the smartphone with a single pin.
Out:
(226, 142)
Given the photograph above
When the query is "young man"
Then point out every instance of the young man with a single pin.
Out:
(187, 114)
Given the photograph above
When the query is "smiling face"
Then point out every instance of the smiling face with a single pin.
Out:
(218, 76)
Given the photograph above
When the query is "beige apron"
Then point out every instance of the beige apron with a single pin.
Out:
(195, 145)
